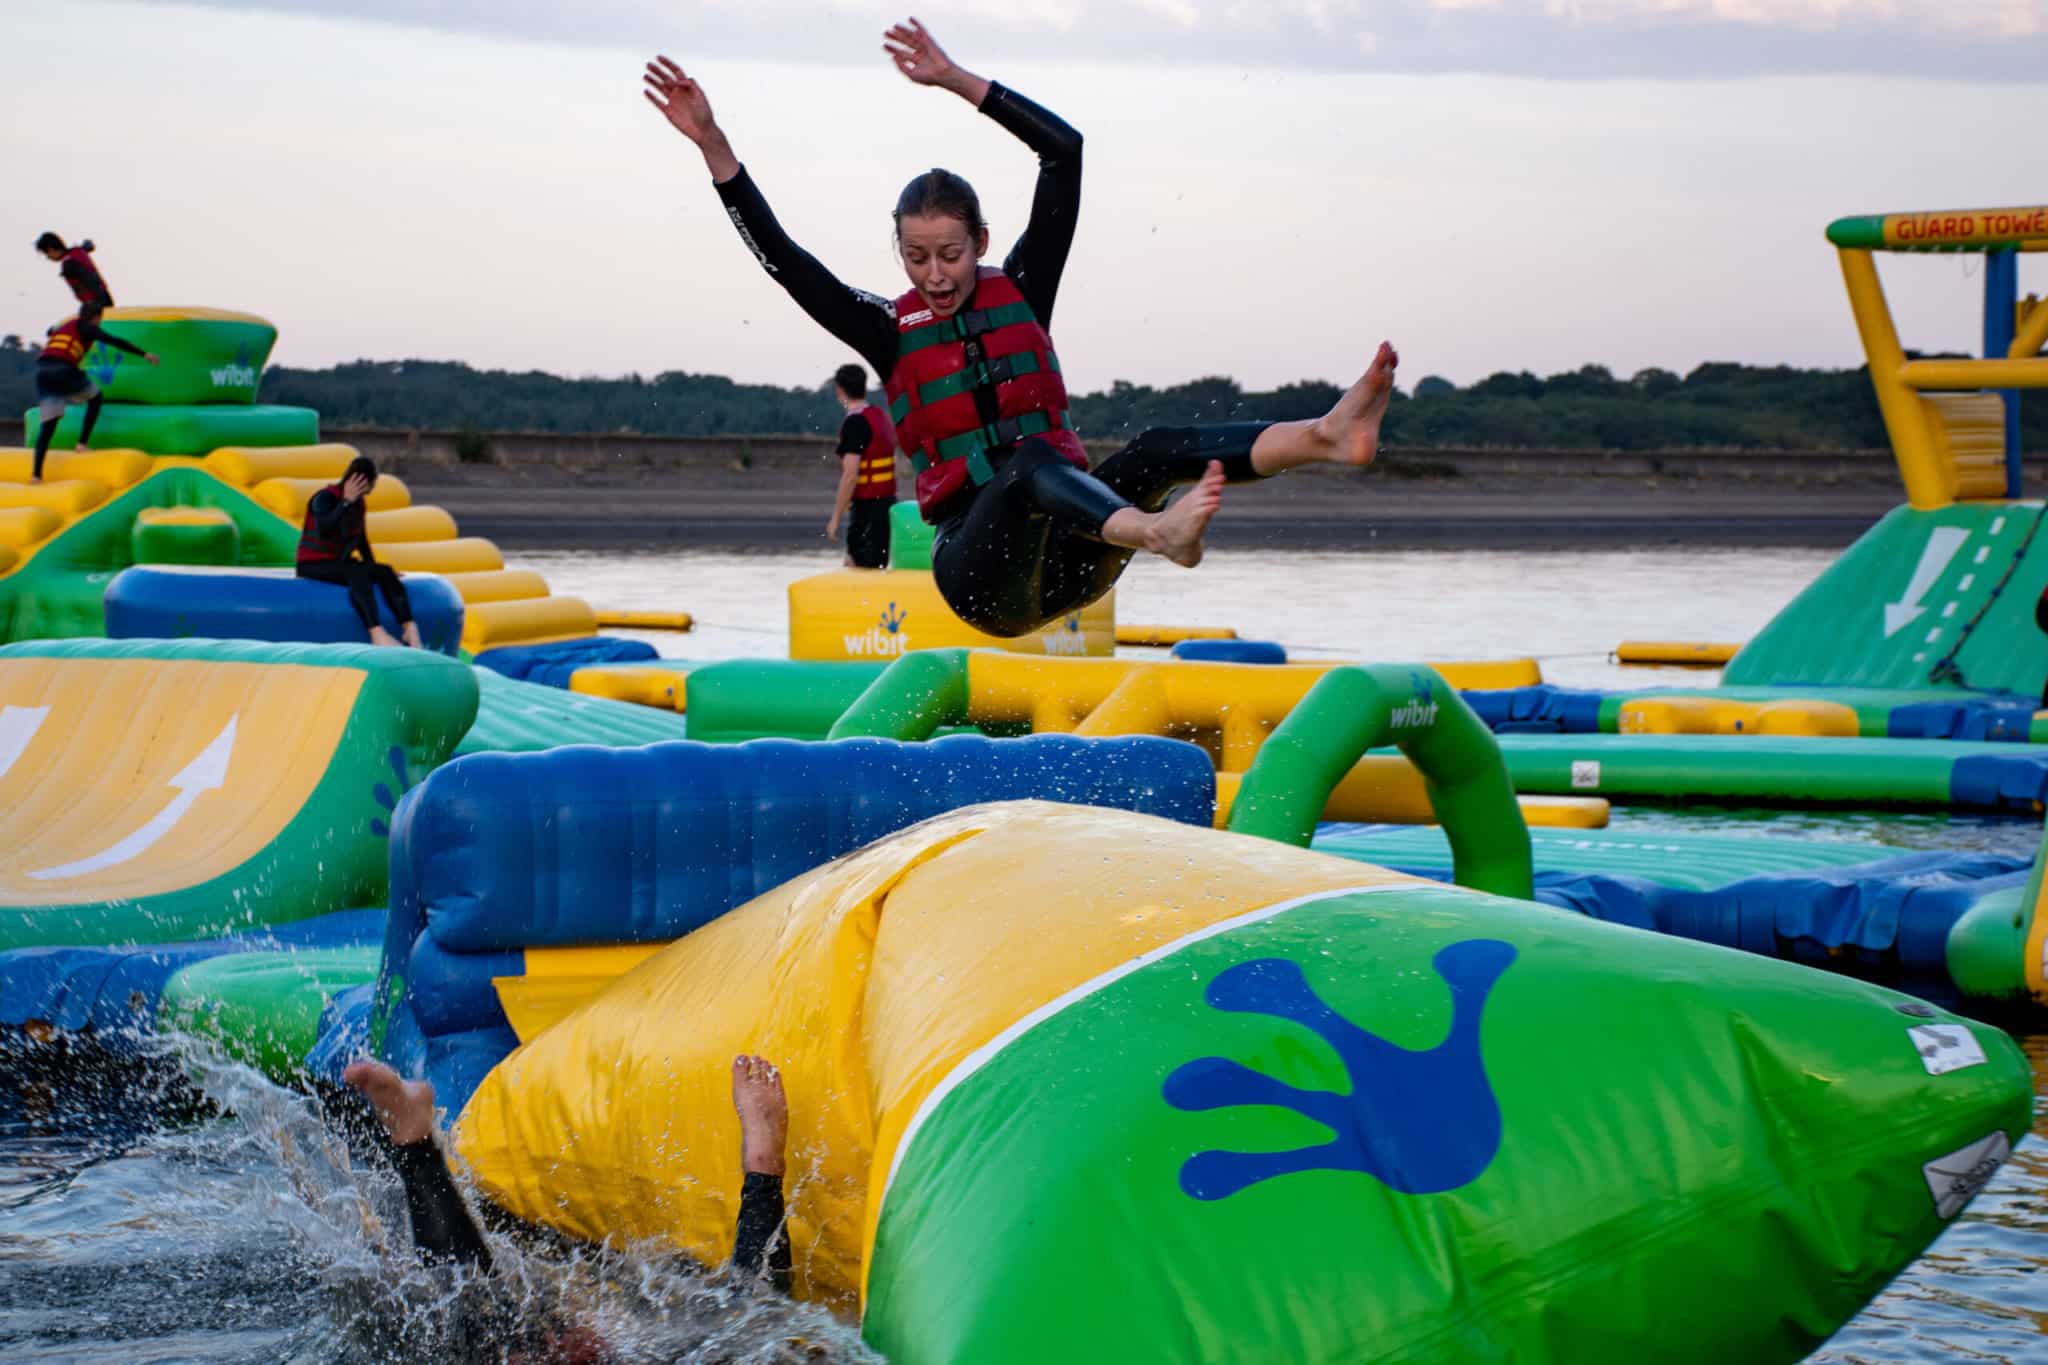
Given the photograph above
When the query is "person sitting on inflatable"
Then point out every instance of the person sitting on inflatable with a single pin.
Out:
(61, 380)
(334, 547)
(444, 1232)
(75, 264)
(1025, 533)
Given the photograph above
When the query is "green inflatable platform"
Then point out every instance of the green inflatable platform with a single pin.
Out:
(205, 355)
(193, 429)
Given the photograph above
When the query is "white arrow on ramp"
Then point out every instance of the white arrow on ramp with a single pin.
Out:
(203, 774)
(18, 726)
(1942, 544)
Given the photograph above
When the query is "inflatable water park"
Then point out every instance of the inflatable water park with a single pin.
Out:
(1092, 958)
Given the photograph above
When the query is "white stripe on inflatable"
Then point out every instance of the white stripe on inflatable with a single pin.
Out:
(18, 726)
(203, 774)
(990, 1050)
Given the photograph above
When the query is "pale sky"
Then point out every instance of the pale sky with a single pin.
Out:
(1272, 185)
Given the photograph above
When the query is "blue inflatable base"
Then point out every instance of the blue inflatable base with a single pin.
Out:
(1231, 651)
(552, 664)
(494, 853)
(166, 602)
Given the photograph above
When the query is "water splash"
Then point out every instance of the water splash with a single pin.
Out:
(265, 1234)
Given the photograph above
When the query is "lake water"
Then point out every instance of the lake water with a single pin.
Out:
(257, 1237)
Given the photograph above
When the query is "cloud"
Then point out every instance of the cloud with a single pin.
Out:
(1565, 39)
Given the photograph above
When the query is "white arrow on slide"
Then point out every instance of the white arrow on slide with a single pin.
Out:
(1942, 544)
(18, 726)
(203, 774)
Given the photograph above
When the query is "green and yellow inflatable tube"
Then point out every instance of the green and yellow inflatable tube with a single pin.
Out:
(161, 790)
(1072, 1084)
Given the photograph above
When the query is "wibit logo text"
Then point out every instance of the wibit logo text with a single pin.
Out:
(233, 377)
(885, 639)
(1065, 638)
(1416, 715)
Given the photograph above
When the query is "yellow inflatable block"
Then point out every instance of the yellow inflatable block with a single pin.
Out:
(465, 554)
(1716, 716)
(246, 466)
(1388, 789)
(1165, 637)
(183, 516)
(646, 620)
(66, 497)
(1683, 653)
(642, 684)
(97, 711)
(114, 468)
(1482, 675)
(498, 585)
(532, 621)
(866, 982)
(184, 315)
(288, 496)
(410, 524)
(882, 613)
(23, 527)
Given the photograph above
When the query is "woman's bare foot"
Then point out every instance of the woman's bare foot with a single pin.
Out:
(406, 1108)
(412, 635)
(381, 636)
(1175, 533)
(1348, 434)
(764, 1115)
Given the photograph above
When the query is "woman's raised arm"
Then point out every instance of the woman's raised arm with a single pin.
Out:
(684, 104)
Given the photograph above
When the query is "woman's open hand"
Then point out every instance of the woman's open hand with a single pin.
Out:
(681, 100)
(917, 54)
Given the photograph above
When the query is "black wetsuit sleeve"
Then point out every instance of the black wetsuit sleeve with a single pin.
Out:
(327, 508)
(761, 1235)
(1038, 259)
(441, 1226)
(853, 435)
(864, 321)
(92, 331)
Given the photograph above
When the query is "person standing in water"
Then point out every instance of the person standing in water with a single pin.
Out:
(61, 381)
(1024, 533)
(75, 264)
(334, 547)
(867, 472)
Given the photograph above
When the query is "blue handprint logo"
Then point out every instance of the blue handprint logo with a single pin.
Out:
(1418, 1122)
(893, 618)
(387, 797)
(102, 363)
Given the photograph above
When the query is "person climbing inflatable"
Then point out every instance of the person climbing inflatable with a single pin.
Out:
(61, 380)
(334, 547)
(1024, 533)
(75, 264)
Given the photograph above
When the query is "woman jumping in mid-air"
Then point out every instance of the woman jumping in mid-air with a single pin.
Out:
(1025, 533)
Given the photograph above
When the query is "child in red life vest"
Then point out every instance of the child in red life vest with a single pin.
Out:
(867, 473)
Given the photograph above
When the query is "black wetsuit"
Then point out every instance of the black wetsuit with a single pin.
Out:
(356, 566)
(59, 380)
(444, 1232)
(867, 519)
(1025, 547)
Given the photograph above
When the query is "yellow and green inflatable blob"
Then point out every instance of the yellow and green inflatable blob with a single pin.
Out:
(1075, 1084)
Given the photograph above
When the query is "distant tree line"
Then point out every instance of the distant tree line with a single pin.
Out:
(1716, 405)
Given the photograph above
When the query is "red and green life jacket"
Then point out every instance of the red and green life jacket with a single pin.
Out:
(996, 347)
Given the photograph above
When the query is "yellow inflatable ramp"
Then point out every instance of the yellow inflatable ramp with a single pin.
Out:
(158, 790)
(866, 982)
